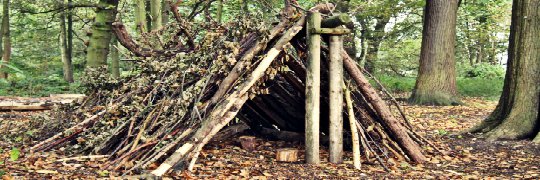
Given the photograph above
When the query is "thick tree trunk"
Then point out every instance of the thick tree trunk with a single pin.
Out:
(436, 82)
(517, 114)
(64, 49)
(155, 12)
(101, 33)
(6, 38)
(140, 15)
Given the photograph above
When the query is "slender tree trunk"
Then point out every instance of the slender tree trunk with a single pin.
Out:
(493, 52)
(219, 11)
(245, 7)
(115, 57)
(101, 33)
(469, 42)
(375, 38)
(517, 114)
(165, 12)
(70, 42)
(140, 15)
(148, 11)
(64, 49)
(480, 52)
(436, 82)
(6, 38)
(156, 14)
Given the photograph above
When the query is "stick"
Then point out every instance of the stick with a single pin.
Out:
(230, 106)
(399, 132)
(354, 133)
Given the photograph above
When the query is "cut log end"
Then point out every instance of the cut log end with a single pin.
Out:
(287, 155)
(248, 143)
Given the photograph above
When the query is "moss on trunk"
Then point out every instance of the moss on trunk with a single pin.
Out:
(101, 33)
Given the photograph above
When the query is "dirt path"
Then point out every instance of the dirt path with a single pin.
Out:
(465, 156)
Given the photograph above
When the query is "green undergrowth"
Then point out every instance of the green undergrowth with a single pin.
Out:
(37, 87)
(468, 87)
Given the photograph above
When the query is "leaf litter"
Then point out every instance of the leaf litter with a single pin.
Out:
(464, 155)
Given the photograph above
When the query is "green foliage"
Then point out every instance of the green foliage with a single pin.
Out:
(36, 86)
(469, 87)
(480, 87)
(14, 154)
(485, 71)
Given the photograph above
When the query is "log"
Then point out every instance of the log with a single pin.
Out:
(287, 155)
(248, 143)
(337, 20)
(394, 126)
(42, 103)
(336, 100)
(313, 88)
(331, 31)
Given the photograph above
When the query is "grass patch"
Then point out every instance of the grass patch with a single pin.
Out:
(470, 87)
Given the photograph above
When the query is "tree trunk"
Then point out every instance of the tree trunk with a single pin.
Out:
(517, 114)
(165, 12)
(69, 62)
(375, 38)
(101, 33)
(436, 82)
(219, 11)
(64, 48)
(140, 15)
(155, 12)
(115, 57)
(480, 52)
(6, 53)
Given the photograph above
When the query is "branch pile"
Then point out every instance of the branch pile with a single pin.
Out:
(204, 76)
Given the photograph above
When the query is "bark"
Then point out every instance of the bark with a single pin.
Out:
(115, 57)
(101, 33)
(156, 14)
(6, 38)
(64, 49)
(517, 114)
(140, 15)
(436, 82)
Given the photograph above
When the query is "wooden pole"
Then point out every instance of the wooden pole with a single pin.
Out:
(313, 84)
(336, 100)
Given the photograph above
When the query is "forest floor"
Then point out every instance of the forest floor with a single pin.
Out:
(464, 155)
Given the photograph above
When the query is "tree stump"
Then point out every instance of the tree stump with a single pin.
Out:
(287, 155)
(248, 143)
